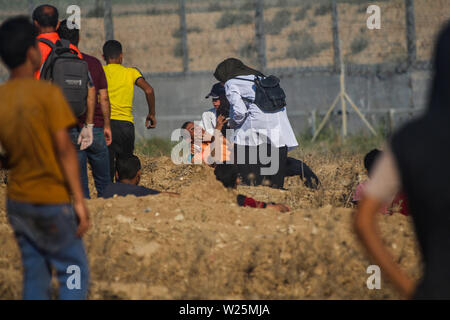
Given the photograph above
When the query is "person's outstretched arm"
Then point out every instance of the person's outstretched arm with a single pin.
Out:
(150, 121)
(67, 156)
(367, 230)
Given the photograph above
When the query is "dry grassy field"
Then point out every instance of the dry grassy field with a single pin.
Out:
(201, 245)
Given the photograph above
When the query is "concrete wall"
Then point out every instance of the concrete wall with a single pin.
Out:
(182, 98)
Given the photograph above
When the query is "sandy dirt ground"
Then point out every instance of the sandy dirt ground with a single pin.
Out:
(202, 245)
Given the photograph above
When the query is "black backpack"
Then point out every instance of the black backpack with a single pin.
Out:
(64, 68)
(269, 96)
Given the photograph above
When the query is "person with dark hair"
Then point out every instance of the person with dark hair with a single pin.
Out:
(45, 18)
(97, 154)
(128, 175)
(397, 203)
(209, 117)
(121, 81)
(44, 173)
(416, 161)
(228, 174)
(369, 160)
(266, 136)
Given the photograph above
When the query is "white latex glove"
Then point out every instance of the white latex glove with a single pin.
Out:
(86, 136)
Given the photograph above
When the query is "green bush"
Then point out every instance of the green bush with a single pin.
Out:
(178, 50)
(229, 19)
(358, 44)
(301, 13)
(154, 147)
(214, 6)
(312, 23)
(248, 5)
(96, 12)
(250, 52)
(280, 21)
(303, 46)
(178, 33)
(323, 10)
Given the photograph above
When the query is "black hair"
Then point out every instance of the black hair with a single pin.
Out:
(224, 108)
(227, 174)
(184, 126)
(128, 167)
(71, 34)
(370, 158)
(46, 15)
(112, 49)
(17, 35)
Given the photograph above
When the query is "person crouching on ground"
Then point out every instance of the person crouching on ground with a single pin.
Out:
(256, 132)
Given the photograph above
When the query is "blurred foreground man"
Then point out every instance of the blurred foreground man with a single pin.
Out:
(417, 162)
(44, 172)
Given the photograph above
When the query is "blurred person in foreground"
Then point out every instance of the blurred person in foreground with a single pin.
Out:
(96, 154)
(121, 81)
(417, 161)
(44, 172)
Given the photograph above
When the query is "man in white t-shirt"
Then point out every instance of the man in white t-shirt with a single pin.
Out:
(209, 117)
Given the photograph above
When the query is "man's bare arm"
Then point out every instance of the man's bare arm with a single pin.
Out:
(106, 111)
(91, 99)
(67, 156)
(150, 121)
(367, 230)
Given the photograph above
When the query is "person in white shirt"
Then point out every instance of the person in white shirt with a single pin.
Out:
(209, 117)
(262, 139)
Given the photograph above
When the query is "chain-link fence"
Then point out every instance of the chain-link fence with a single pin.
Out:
(177, 43)
(195, 35)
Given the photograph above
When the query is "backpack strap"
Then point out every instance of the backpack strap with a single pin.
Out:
(47, 42)
(244, 79)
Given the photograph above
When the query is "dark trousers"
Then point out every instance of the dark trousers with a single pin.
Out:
(122, 145)
(253, 160)
(97, 156)
(295, 167)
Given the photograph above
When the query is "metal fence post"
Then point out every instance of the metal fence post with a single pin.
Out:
(30, 6)
(410, 32)
(335, 29)
(108, 20)
(313, 122)
(259, 34)
(183, 29)
(391, 116)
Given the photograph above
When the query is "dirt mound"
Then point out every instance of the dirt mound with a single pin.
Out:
(202, 245)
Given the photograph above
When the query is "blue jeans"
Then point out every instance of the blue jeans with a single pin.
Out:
(98, 156)
(46, 235)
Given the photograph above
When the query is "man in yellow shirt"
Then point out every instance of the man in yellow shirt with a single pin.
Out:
(44, 172)
(121, 81)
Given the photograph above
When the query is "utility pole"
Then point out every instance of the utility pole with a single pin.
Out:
(108, 20)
